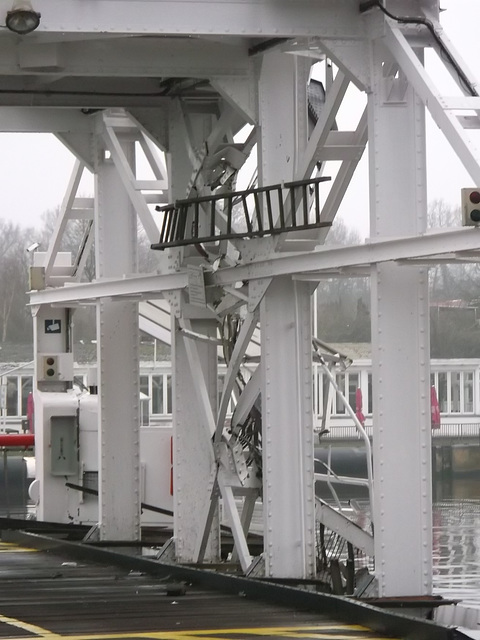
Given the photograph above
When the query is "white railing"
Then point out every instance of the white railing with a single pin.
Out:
(459, 430)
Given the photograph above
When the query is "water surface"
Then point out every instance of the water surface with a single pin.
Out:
(456, 539)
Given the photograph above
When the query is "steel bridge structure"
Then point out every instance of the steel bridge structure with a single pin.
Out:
(198, 88)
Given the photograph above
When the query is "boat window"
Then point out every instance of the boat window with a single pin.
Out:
(468, 392)
(26, 389)
(157, 394)
(455, 391)
(12, 396)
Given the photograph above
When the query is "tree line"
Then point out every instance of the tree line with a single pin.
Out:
(343, 304)
(16, 326)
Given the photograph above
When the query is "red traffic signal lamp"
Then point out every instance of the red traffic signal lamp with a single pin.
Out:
(471, 207)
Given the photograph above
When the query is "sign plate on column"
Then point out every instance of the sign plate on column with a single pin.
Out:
(196, 286)
(53, 326)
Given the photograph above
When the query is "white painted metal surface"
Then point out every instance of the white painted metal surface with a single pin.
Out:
(207, 69)
(194, 398)
(289, 507)
(400, 341)
(118, 361)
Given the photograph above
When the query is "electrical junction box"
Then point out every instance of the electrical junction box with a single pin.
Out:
(54, 367)
(63, 446)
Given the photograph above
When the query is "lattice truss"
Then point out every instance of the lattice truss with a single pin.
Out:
(205, 95)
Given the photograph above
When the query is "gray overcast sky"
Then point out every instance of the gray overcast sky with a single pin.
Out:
(445, 174)
(41, 162)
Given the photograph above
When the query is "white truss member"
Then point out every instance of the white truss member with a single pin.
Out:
(90, 74)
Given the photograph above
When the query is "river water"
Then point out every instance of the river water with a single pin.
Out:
(456, 539)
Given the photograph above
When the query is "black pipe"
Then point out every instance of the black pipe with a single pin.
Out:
(143, 505)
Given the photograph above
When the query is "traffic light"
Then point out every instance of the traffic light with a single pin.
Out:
(50, 368)
(471, 207)
(54, 367)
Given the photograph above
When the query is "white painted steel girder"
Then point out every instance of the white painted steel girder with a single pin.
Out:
(323, 127)
(287, 430)
(43, 120)
(118, 358)
(440, 108)
(139, 286)
(155, 330)
(400, 342)
(147, 57)
(285, 318)
(110, 124)
(351, 531)
(75, 39)
(194, 413)
(209, 18)
(154, 318)
(241, 346)
(62, 219)
(449, 243)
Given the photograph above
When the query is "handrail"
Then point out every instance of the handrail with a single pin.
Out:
(358, 425)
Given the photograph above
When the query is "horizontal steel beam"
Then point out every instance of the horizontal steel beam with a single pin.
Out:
(324, 260)
(43, 120)
(280, 18)
(368, 254)
(125, 57)
(81, 99)
(142, 286)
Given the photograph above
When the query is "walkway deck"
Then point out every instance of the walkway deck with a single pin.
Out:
(53, 594)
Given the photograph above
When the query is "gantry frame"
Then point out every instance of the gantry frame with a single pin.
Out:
(91, 76)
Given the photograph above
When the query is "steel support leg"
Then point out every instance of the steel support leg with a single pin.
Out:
(194, 464)
(287, 426)
(283, 125)
(118, 360)
(287, 436)
(400, 341)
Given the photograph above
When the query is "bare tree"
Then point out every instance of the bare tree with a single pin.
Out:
(451, 281)
(84, 318)
(343, 302)
(14, 281)
(73, 237)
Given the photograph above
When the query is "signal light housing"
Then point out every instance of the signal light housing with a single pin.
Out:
(50, 368)
(471, 207)
(54, 367)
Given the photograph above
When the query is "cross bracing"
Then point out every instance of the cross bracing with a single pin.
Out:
(181, 81)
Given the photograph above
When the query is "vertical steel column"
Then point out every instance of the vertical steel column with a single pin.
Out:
(285, 317)
(400, 339)
(194, 462)
(281, 120)
(118, 357)
(287, 436)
